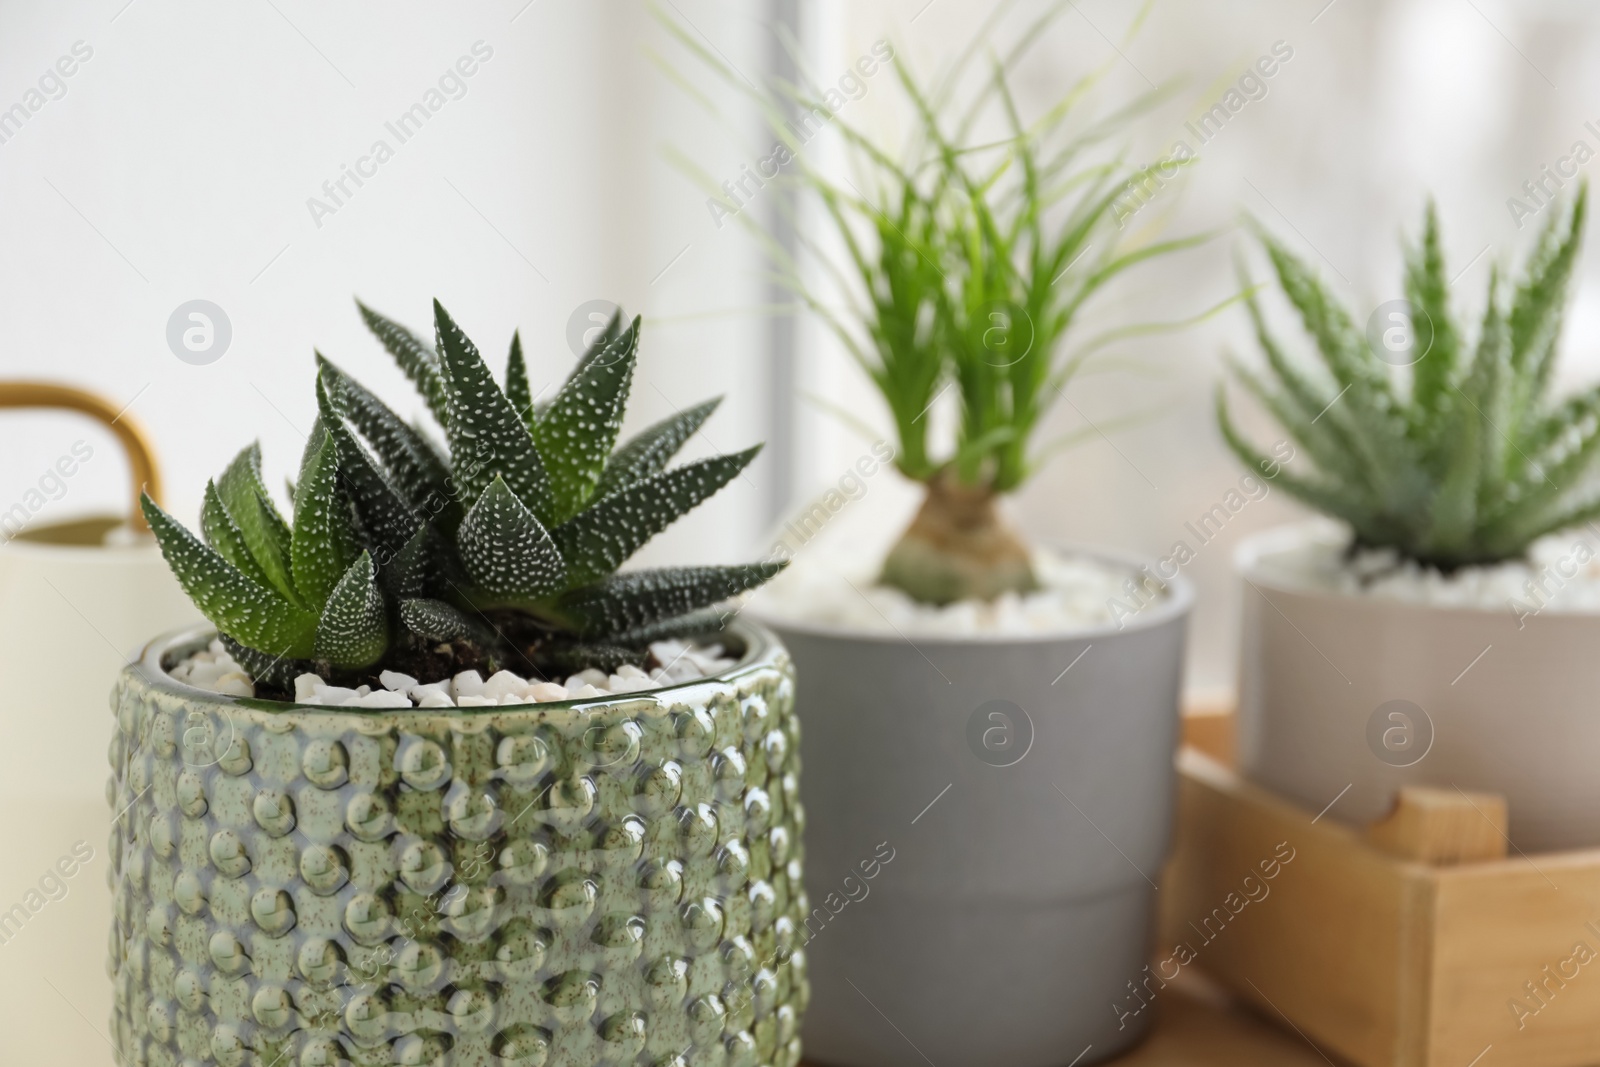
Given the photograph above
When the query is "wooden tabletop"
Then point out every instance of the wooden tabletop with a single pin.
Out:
(1200, 1027)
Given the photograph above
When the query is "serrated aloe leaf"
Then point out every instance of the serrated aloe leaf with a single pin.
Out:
(324, 540)
(576, 433)
(639, 598)
(265, 533)
(517, 388)
(385, 515)
(354, 629)
(415, 359)
(506, 551)
(600, 539)
(648, 452)
(250, 613)
(487, 437)
(408, 456)
(223, 535)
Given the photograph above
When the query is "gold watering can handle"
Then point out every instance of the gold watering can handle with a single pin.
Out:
(135, 445)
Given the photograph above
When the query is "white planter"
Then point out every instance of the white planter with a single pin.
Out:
(1512, 706)
(982, 889)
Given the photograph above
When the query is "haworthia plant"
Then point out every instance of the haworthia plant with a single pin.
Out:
(504, 544)
(1470, 463)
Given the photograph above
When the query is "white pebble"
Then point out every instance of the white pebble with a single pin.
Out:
(235, 684)
(585, 691)
(547, 691)
(474, 701)
(589, 677)
(431, 697)
(467, 683)
(396, 682)
(306, 686)
(504, 684)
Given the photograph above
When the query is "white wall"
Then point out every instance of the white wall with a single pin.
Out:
(179, 164)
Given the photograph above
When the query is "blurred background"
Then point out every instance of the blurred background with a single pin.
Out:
(157, 152)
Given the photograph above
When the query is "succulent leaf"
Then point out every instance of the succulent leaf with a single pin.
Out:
(354, 628)
(324, 539)
(707, 621)
(487, 437)
(576, 433)
(253, 614)
(407, 456)
(517, 388)
(639, 598)
(601, 538)
(648, 452)
(507, 551)
(385, 514)
(415, 359)
(222, 534)
(1472, 462)
(435, 619)
(252, 511)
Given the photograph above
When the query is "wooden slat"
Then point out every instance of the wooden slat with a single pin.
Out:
(1499, 925)
(1333, 943)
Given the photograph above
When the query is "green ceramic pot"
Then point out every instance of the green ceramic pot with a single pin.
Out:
(610, 881)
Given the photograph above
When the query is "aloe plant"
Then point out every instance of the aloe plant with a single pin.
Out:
(501, 548)
(1470, 461)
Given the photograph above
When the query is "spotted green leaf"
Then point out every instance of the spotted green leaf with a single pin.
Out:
(648, 452)
(251, 613)
(415, 359)
(576, 433)
(638, 598)
(244, 496)
(601, 538)
(506, 551)
(487, 437)
(354, 629)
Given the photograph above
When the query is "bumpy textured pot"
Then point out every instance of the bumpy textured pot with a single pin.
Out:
(610, 881)
(1349, 698)
(987, 819)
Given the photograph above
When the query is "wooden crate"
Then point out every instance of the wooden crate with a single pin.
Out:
(1406, 944)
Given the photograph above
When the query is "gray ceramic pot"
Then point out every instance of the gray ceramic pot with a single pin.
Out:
(1024, 814)
(610, 881)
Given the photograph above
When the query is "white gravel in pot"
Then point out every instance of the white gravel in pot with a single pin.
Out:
(670, 663)
(1560, 574)
(1080, 592)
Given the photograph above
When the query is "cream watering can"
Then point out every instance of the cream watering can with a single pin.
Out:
(76, 599)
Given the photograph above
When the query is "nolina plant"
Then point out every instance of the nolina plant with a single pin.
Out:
(501, 549)
(970, 262)
(1470, 462)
